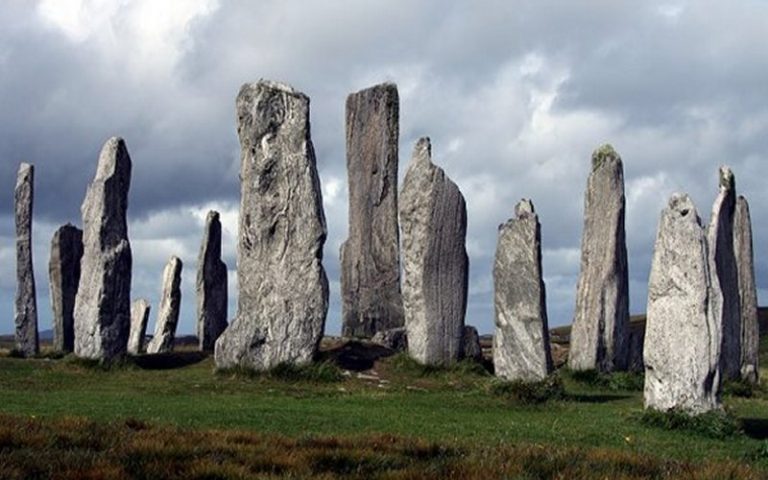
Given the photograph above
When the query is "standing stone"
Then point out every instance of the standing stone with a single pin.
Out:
(211, 286)
(435, 264)
(394, 339)
(168, 313)
(600, 325)
(521, 349)
(470, 344)
(64, 274)
(283, 298)
(750, 335)
(682, 336)
(722, 265)
(103, 302)
(27, 343)
(636, 343)
(370, 257)
(139, 318)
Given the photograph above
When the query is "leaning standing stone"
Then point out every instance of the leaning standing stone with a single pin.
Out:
(521, 349)
(682, 336)
(211, 286)
(283, 298)
(168, 313)
(64, 274)
(27, 342)
(600, 324)
(370, 257)
(139, 318)
(435, 265)
(750, 335)
(103, 304)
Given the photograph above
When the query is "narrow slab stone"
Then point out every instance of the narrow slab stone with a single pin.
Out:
(745, 265)
(211, 286)
(139, 319)
(370, 257)
(682, 335)
(168, 313)
(636, 345)
(600, 324)
(64, 275)
(470, 344)
(394, 339)
(103, 302)
(433, 218)
(283, 289)
(521, 348)
(722, 265)
(25, 314)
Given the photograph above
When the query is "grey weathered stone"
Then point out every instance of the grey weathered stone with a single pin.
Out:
(168, 312)
(682, 335)
(139, 319)
(394, 339)
(64, 274)
(599, 332)
(433, 217)
(211, 286)
(25, 313)
(103, 303)
(750, 335)
(521, 348)
(370, 257)
(283, 298)
(636, 342)
(722, 265)
(470, 344)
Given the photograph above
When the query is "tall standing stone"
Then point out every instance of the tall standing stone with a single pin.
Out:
(283, 298)
(370, 257)
(27, 342)
(750, 335)
(682, 336)
(139, 319)
(433, 217)
(168, 312)
(601, 321)
(211, 286)
(103, 302)
(64, 274)
(521, 349)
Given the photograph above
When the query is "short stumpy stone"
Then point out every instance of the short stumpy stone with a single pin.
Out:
(682, 336)
(64, 274)
(168, 312)
(211, 286)
(470, 344)
(139, 319)
(370, 257)
(433, 218)
(25, 312)
(521, 348)
(283, 289)
(103, 303)
(750, 335)
(600, 324)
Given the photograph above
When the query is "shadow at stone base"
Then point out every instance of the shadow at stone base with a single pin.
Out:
(595, 398)
(354, 355)
(756, 428)
(167, 361)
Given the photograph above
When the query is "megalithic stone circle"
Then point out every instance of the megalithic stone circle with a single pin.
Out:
(211, 286)
(745, 265)
(64, 276)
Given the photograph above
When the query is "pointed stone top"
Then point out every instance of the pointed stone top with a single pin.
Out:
(174, 259)
(26, 170)
(113, 159)
(213, 216)
(524, 208)
(727, 179)
(602, 154)
(423, 150)
(683, 205)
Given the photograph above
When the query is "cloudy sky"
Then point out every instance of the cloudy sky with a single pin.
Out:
(515, 96)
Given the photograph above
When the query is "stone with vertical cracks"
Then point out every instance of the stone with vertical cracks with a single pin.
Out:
(682, 335)
(25, 314)
(370, 257)
(64, 274)
(433, 218)
(283, 289)
(600, 324)
(168, 311)
(139, 319)
(103, 303)
(211, 286)
(521, 348)
(750, 335)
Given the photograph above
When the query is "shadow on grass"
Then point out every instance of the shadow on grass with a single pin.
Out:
(168, 361)
(596, 398)
(355, 356)
(756, 428)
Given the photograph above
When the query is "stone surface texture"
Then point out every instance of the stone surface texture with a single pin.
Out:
(470, 344)
(64, 276)
(394, 339)
(211, 286)
(370, 257)
(745, 265)
(139, 319)
(103, 302)
(600, 324)
(283, 288)
(682, 336)
(521, 348)
(25, 311)
(433, 218)
(168, 311)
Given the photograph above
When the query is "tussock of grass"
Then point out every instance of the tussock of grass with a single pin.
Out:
(529, 393)
(615, 382)
(403, 363)
(317, 372)
(716, 424)
(742, 389)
